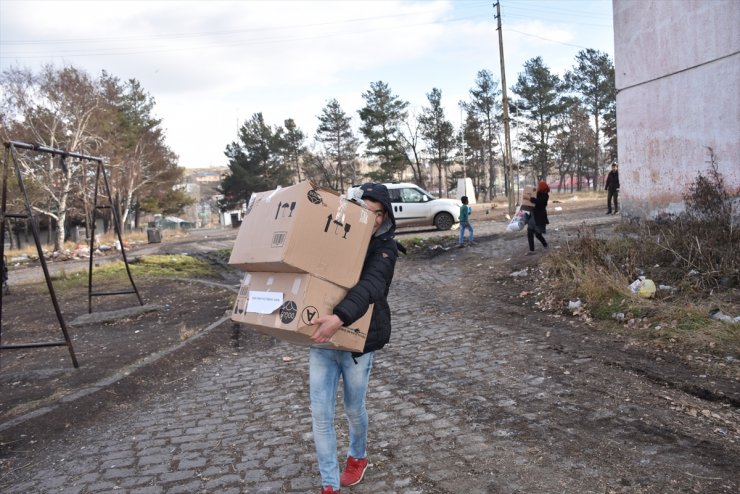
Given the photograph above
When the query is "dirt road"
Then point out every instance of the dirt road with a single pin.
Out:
(480, 391)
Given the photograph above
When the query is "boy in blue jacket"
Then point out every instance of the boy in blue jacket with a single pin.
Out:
(464, 221)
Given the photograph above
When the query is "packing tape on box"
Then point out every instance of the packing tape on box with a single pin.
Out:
(252, 200)
(269, 197)
(365, 216)
(355, 196)
(341, 210)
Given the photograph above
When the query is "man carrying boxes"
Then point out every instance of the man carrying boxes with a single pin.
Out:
(323, 322)
(302, 247)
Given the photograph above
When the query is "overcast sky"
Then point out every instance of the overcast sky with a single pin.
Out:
(210, 65)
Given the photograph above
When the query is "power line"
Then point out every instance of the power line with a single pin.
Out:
(220, 44)
(133, 50)
(462, 7)
(175, 36)
(547, 39)
(103, 51)
(556, 12)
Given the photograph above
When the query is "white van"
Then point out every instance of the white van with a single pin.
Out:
(414, 206)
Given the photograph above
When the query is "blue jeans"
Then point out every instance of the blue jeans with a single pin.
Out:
(463, 226)
(325, 368)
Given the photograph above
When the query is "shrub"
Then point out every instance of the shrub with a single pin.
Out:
(701, 240)
(694, 252)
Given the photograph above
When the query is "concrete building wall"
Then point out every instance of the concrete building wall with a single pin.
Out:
(677, 67)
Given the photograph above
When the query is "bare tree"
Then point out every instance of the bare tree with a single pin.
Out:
(409, 133)
(67, 109)
(54, 109)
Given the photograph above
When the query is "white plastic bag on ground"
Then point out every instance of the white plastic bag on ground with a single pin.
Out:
(720, 316)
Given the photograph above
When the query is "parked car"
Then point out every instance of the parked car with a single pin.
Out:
(414, 206)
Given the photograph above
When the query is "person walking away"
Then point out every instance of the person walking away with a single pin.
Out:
(465, 211)
(612, 188)
(327, 366)
(537, 223)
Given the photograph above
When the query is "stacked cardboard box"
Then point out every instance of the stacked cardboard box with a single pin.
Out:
(527, 192)
(302, 247)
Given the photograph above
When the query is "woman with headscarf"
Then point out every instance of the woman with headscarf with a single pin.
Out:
(537, 224)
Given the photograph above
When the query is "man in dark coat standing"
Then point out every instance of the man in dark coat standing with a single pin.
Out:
(326, 366)
(612, 188)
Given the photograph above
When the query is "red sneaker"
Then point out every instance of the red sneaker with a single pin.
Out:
(354, 471)
(328, 490)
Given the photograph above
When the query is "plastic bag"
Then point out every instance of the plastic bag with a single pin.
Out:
(518, 221)
(643, 287)
(647, 290)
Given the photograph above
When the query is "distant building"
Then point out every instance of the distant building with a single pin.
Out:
(202, 185)
(677, 65)
(207, 177)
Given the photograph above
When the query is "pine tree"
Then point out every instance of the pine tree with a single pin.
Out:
(539, 106)
(484, 107)
(438, 133)
(257, 163)
(340, 144)
(593, 79)
(381, 118)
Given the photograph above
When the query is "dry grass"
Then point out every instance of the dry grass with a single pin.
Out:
(109, 238)
(595, 271)
(693, 255)
(585, 196)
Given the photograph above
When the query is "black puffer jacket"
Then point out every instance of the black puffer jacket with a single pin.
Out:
(376, 277)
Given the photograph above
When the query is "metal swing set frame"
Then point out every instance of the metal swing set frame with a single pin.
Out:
(11, 152)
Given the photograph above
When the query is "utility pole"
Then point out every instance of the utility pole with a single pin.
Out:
(462, 140)
(507, 136)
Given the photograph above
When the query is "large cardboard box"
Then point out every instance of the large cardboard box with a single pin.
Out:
(527, 192)
(304, 229)
(284, 305)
